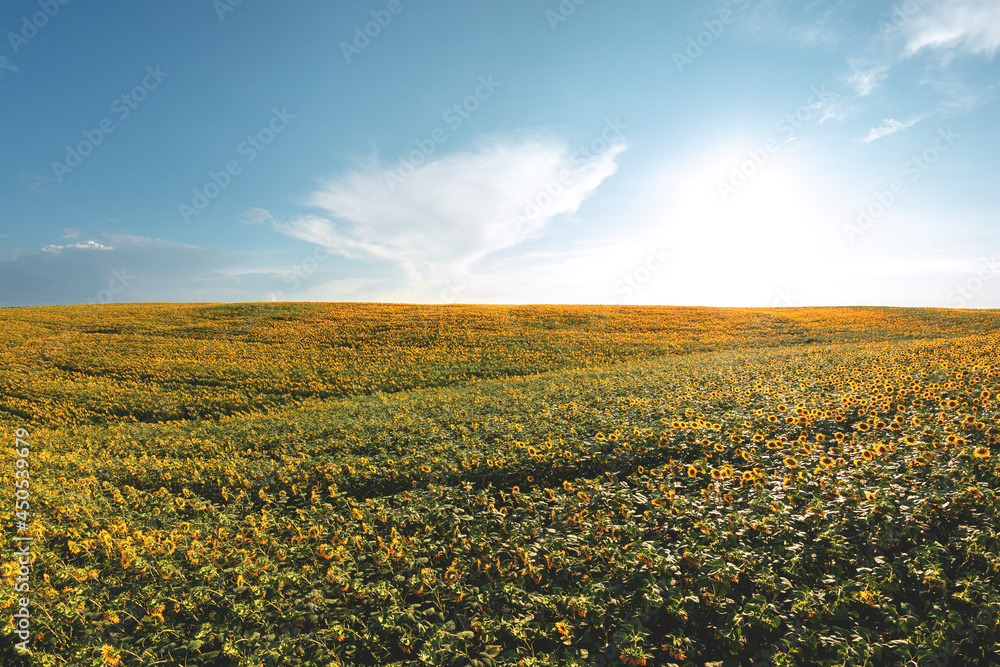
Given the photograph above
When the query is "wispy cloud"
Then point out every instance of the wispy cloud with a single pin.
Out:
(971, 26)
(815, 24)
(34, 182)
(5, 65)
(153, 270)
(865, 80)
(888, 126)
(88, 245)
(449, 213)
(256, 216)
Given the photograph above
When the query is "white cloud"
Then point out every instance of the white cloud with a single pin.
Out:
(888, 126)
(89, 245)
(967, 25)
(867, 80)
(815, 24)
(449, 213)
(127, 269)
(34, 182)
(256, 216)
(5, 65)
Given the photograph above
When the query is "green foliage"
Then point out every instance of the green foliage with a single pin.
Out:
(784, 505)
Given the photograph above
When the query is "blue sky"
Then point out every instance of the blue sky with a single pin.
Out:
(734, 153)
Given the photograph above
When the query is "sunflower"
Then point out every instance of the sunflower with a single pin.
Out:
(867, 455)
(880, 449)
(910, 440)
(981, 453)
(110, 655)
(747, 476)
(791, 462)
(716, 474)
(156, 613)
(869, 495)
(827, 461)
(692, 471)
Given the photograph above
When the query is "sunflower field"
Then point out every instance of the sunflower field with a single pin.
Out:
(381, 484)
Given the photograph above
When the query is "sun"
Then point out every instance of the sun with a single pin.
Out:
(739, 246)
